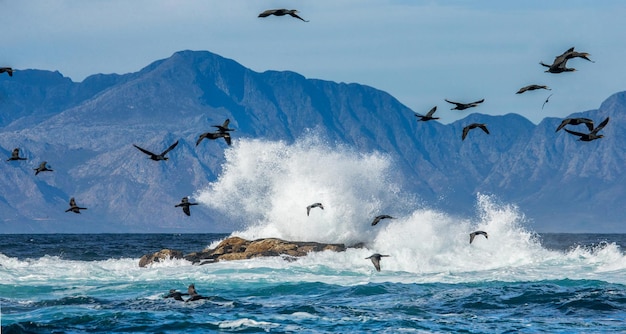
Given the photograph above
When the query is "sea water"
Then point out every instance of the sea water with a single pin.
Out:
(434, 280)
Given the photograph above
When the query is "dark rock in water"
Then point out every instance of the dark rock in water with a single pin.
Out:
(163, 254)
(235, 248)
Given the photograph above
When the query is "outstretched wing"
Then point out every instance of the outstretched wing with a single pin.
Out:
(267, 13)
(602, 125)
(465, 132)
(298, 17)
(575, 133)
(431, 112)
(484, 127)
(170, 148)
(478, 102)
(144, 150)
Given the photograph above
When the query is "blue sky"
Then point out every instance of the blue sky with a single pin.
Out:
(421, 52)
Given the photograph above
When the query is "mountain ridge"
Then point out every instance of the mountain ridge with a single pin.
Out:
(87, 135)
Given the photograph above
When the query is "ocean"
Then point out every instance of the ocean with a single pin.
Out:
(434, 280)
(91, 283)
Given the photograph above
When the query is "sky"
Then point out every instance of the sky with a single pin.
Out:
(420, 52)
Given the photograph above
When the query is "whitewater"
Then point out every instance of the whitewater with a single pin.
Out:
(434, 280)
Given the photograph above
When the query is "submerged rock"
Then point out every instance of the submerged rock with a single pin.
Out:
(235, 248)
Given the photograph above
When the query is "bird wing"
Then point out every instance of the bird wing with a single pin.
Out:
(144, 150)
(72, 202)
(170, 148)
(376, 262)
(376, 220)
(465, 132)
(227, 138)
(589, 123)
(478, 102)
(186, 210)
(601, 126)
(522, 90)
(308, 210)
(484, 127)
(575, 133)
(456, 103)
(472, 236)
(267, 13)
(298, 17)
(564, 123)
(431, 112)
(226, 122)
(15, 153)
(202, 136)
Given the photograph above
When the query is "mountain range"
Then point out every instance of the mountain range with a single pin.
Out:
(85, 130)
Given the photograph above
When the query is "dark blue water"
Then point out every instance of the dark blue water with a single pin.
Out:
(92, 284)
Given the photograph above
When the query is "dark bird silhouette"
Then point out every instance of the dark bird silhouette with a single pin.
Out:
(9, 70)
(184, 203)
(314, 205)
(215, 135)
(282, 12)
(463, 106)
(558, 67)
(73, 207)
(546, 101)
(177, 295)
(593, 135)
(379, 218)
(42, 168)
(157, 157)
(15, 155)
(428, 116)
(193, 294)
(224, 127)
(473, 126)
(474, 234)
(531, 87)
(376, 260)
(575, 121)
(570, 53)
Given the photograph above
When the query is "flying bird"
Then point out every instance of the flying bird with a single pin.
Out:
(215, 135)
(593, 135)
(157, 157)
(376, 260)
(224, 127)
(42, 168)
(463, 106)
(428, 116)
(473, 126)
(314, 205)
(474, 234)
(73, 207)
(184, 203)
(531, 87)
(282, 12)
(15, 155)
(379, 218)
(575, 121)
(9, 70)
(546, 101)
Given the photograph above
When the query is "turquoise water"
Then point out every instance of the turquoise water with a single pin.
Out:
(60, 283)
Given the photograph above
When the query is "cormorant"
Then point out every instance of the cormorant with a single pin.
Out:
(575, 121)
(463, 106)
(9, 70)
(193, 295)
(73, 207)
(42, 168)
(184, 203)
(157, 157)
(473, 126)
(224, 127)
(546, 101)
(376, 260)
(379, 218)
(15, 155)
(428, 116)
(531, 87)
(282, 12)
(593, 135)
(474, 234)
(215, 135)
(314, 205)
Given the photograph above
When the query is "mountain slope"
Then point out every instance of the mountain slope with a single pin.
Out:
(86, 130)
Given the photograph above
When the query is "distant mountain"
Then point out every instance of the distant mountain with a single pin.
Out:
(86, 130)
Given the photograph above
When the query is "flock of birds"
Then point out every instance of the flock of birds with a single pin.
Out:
(559, 65)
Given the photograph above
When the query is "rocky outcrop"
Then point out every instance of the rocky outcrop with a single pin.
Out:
(235, 248)
(163, 254)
